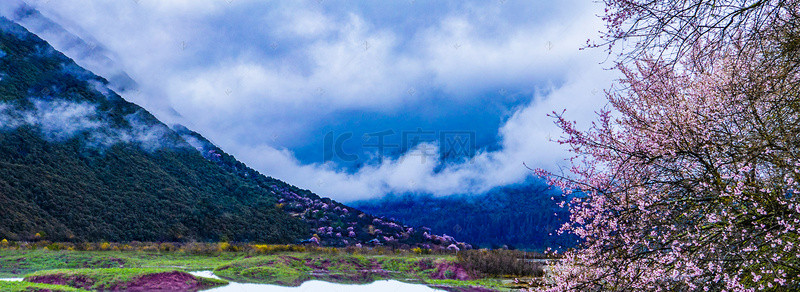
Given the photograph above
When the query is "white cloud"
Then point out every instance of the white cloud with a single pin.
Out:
(525, 139)
(306, 23)
(62, 120)
(59, 120)
(463, 60)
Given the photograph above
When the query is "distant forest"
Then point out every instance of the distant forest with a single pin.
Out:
(524, 216)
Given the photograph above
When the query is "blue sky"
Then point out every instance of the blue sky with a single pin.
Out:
(268, 81)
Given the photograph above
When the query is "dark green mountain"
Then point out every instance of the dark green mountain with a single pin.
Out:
(523, 216)
(78, 162)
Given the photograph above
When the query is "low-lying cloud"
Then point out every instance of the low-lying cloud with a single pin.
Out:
(60, 120)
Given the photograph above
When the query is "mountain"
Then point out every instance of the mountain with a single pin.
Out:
(523, 216)
(79, 163)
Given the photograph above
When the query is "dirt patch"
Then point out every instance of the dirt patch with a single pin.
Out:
(74, 281)
(352, 262)
(170, 281)
(425, 264)
(318, 263)
(450, 270)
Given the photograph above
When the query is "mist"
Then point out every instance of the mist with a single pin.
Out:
(60, 121)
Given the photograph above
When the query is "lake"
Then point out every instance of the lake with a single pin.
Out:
(383, 285)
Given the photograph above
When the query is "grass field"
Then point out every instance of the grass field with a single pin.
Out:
(16, 263)
(282, 265)
(27, 287)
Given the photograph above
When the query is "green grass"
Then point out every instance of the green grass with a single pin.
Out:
(28, 287)
(282, 268)
(211, 282)
(485, 283)
(14, 263)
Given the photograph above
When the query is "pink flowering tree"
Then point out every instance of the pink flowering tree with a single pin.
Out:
(669, 29)
(689, 181)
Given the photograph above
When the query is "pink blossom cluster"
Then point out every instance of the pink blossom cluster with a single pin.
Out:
(334, 223)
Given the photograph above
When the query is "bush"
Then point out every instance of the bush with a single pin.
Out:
(274, 248)
(501, 262)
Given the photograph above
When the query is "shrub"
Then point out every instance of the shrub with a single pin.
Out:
(167, 247)
(500, 263)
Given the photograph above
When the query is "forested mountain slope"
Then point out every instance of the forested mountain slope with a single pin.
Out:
(79, 162)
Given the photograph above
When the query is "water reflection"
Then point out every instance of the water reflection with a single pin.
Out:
(383, 285)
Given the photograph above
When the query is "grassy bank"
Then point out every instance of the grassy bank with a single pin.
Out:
(114, 279)
(15, 263)
(36, 287)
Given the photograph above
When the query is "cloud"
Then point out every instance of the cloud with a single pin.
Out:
(464, 61)
(525, 138)
(59, 121)
(357, 69)
(257, 78)
(302, 23)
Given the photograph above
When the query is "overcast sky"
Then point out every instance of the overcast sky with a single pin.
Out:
(281, 85)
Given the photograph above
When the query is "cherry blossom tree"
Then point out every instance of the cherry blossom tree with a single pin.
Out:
(689, 180)
(671, 28)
